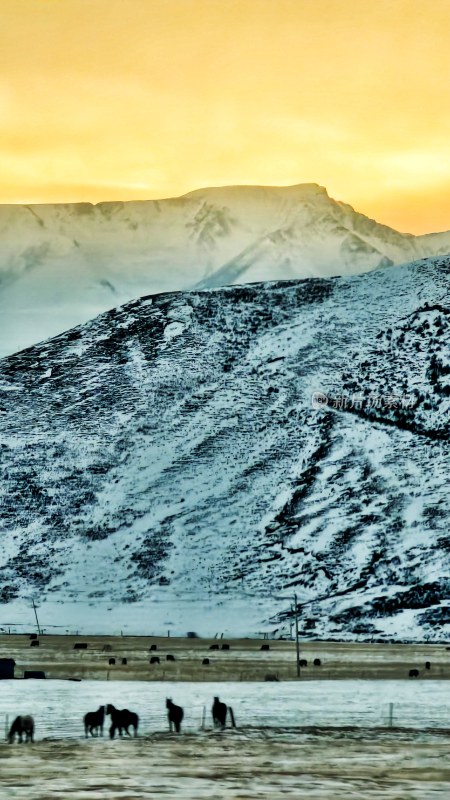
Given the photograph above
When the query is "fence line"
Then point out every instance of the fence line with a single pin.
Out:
(50, 724)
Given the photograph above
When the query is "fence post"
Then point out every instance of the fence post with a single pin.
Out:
(203, 718)
(6, 726)
(391, 714)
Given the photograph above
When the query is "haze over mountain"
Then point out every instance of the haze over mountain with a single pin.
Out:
(164, 465)
(61, 265)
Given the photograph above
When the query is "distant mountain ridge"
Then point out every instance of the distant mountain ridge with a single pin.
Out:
(63, 264)
(190, 460)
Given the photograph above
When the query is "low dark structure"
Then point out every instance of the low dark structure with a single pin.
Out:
(7, 668)
(107, 648)
(271, 677)
(35, 674)
(170, 657)
(265, 647)
(175, 715)
(80, 646)
(154, 660)
(413, 673)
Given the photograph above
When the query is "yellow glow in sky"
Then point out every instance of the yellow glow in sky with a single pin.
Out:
(126, 99)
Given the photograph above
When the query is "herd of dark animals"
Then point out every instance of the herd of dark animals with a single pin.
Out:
(121, 721)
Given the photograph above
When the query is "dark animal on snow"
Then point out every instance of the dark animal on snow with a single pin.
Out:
(413, 673)
(111, 662)
(154, 660)
(170, 657)
(265, 647)
(225, 647)
(175, 715)
(93, 721)
(219, 714)
(122, 720)
(205, 661)
(317, 662)
(21, 726)
(213, 646)
(303, 662)
(427, 665)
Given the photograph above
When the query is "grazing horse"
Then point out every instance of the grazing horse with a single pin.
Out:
(93, 721)
(175, 715)
(22, 725)
(121, 720)
(219, 714)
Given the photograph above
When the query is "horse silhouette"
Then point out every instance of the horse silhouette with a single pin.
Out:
(93, 721)
(175, 715)
(20, 726)
(122, 720)
(219, 714)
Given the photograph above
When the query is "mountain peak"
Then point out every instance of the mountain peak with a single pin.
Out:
(62, 264)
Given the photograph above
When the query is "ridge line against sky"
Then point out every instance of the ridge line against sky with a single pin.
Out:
(145, 99)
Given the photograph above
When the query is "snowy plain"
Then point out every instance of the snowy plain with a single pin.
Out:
(59, 706)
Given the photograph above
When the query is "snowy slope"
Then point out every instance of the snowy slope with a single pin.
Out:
(61, 265)
(164, 465)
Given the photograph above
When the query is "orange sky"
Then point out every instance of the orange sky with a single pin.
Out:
(124, 99)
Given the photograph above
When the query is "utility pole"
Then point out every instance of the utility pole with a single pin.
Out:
(297, 643)
(35, 614)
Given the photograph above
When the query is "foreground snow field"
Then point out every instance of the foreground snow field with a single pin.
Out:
(58, 706)
(236, 765)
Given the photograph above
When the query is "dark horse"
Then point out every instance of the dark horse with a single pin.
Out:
(93, 721)
(175, 715)
(22, 725)
(122, 720)
(219, 714)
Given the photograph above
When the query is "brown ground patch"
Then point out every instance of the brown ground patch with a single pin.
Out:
(235, 765)
(244, 661)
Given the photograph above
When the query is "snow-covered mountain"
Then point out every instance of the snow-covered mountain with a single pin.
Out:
(61, 265)
(170, 464)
